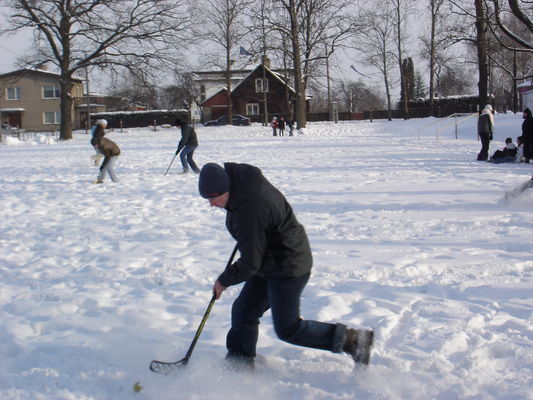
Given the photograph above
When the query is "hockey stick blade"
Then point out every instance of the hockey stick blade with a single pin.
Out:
(517, 191)
(165, 368)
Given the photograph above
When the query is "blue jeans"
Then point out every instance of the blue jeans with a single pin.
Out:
(186, 157)
(282, 296)
(110, 169)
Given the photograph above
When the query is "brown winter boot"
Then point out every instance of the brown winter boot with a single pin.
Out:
(358, 343)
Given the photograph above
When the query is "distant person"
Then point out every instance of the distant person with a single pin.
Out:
(274, 125)
(274, 265)
(98, 131)
(110, 151)
(520, 149)
(485, 129)
(187, 145)
(290, 124)
(281, 126)
(527, 135)
(507, 154)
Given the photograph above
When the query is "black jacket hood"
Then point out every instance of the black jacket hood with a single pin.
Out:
(245, 181)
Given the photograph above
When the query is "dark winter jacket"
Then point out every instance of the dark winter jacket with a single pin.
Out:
(527, 127)
(109, 149)
(484, 125)
(270, 240)
(188, 137)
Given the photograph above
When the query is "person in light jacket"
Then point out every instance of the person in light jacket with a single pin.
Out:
(111, 151)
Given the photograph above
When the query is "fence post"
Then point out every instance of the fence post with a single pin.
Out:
(155, 125)
(455, 118)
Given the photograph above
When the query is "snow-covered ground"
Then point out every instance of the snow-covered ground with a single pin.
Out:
(408, 235)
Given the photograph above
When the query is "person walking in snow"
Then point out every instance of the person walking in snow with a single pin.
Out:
(281, 126)
(290, 124)
(527, 134)
(187, 145)
(275, 265)
(111, 151)
(507, 154)
(274, 125)
(485, 128)
(98, 131)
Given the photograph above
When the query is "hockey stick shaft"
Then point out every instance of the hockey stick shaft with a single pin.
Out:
(167, 367)
(206, 314)
(170, 164)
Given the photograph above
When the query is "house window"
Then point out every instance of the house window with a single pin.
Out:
(202, 92)
(252, 109)
(51, 92)
(13, 93)
(52, 117)
(261, 85)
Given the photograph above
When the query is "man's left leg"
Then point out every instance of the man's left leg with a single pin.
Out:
(190, 159)
(284, 298)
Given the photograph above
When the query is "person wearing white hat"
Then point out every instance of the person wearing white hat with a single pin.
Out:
(485, 128)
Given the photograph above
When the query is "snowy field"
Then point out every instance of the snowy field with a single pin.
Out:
(408, 236)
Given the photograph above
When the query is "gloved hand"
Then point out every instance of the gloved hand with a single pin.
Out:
(101, 169)
(177, 152)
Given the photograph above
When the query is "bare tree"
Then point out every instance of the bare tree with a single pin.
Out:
(76, 34)
(315, 29)
(374, 44)
(471, 28)
(224, 26)
(358, 97)
(399, 14)
(515, 8)
(434, 43)
(261, 31)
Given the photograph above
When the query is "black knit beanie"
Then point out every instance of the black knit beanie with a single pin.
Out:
(214, 181)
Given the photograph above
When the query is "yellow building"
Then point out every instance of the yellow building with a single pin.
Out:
(30, 99)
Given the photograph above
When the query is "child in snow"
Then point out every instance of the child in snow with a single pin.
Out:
(98, 131)
(507, 154)
(111, 151)
(274, 125)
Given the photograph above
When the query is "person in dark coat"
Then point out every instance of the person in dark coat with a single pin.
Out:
(527, 134)
(275, 264)
(281, 126)
(189, 143)
(485, 128)
(111, 151)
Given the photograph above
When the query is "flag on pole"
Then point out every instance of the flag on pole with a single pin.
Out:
(243, 52)
(366, 76)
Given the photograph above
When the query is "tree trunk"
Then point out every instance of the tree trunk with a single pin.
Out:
(65, 130)
(228, 87)
(301, 121)
(432, 52)
(481, 42)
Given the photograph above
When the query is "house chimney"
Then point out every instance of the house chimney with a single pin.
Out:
(266, 61)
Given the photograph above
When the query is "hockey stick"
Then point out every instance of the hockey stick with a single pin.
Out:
(170, 164)
(163, 367)
(517, 191)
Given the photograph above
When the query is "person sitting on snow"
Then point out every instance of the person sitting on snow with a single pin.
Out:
(507, 154)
